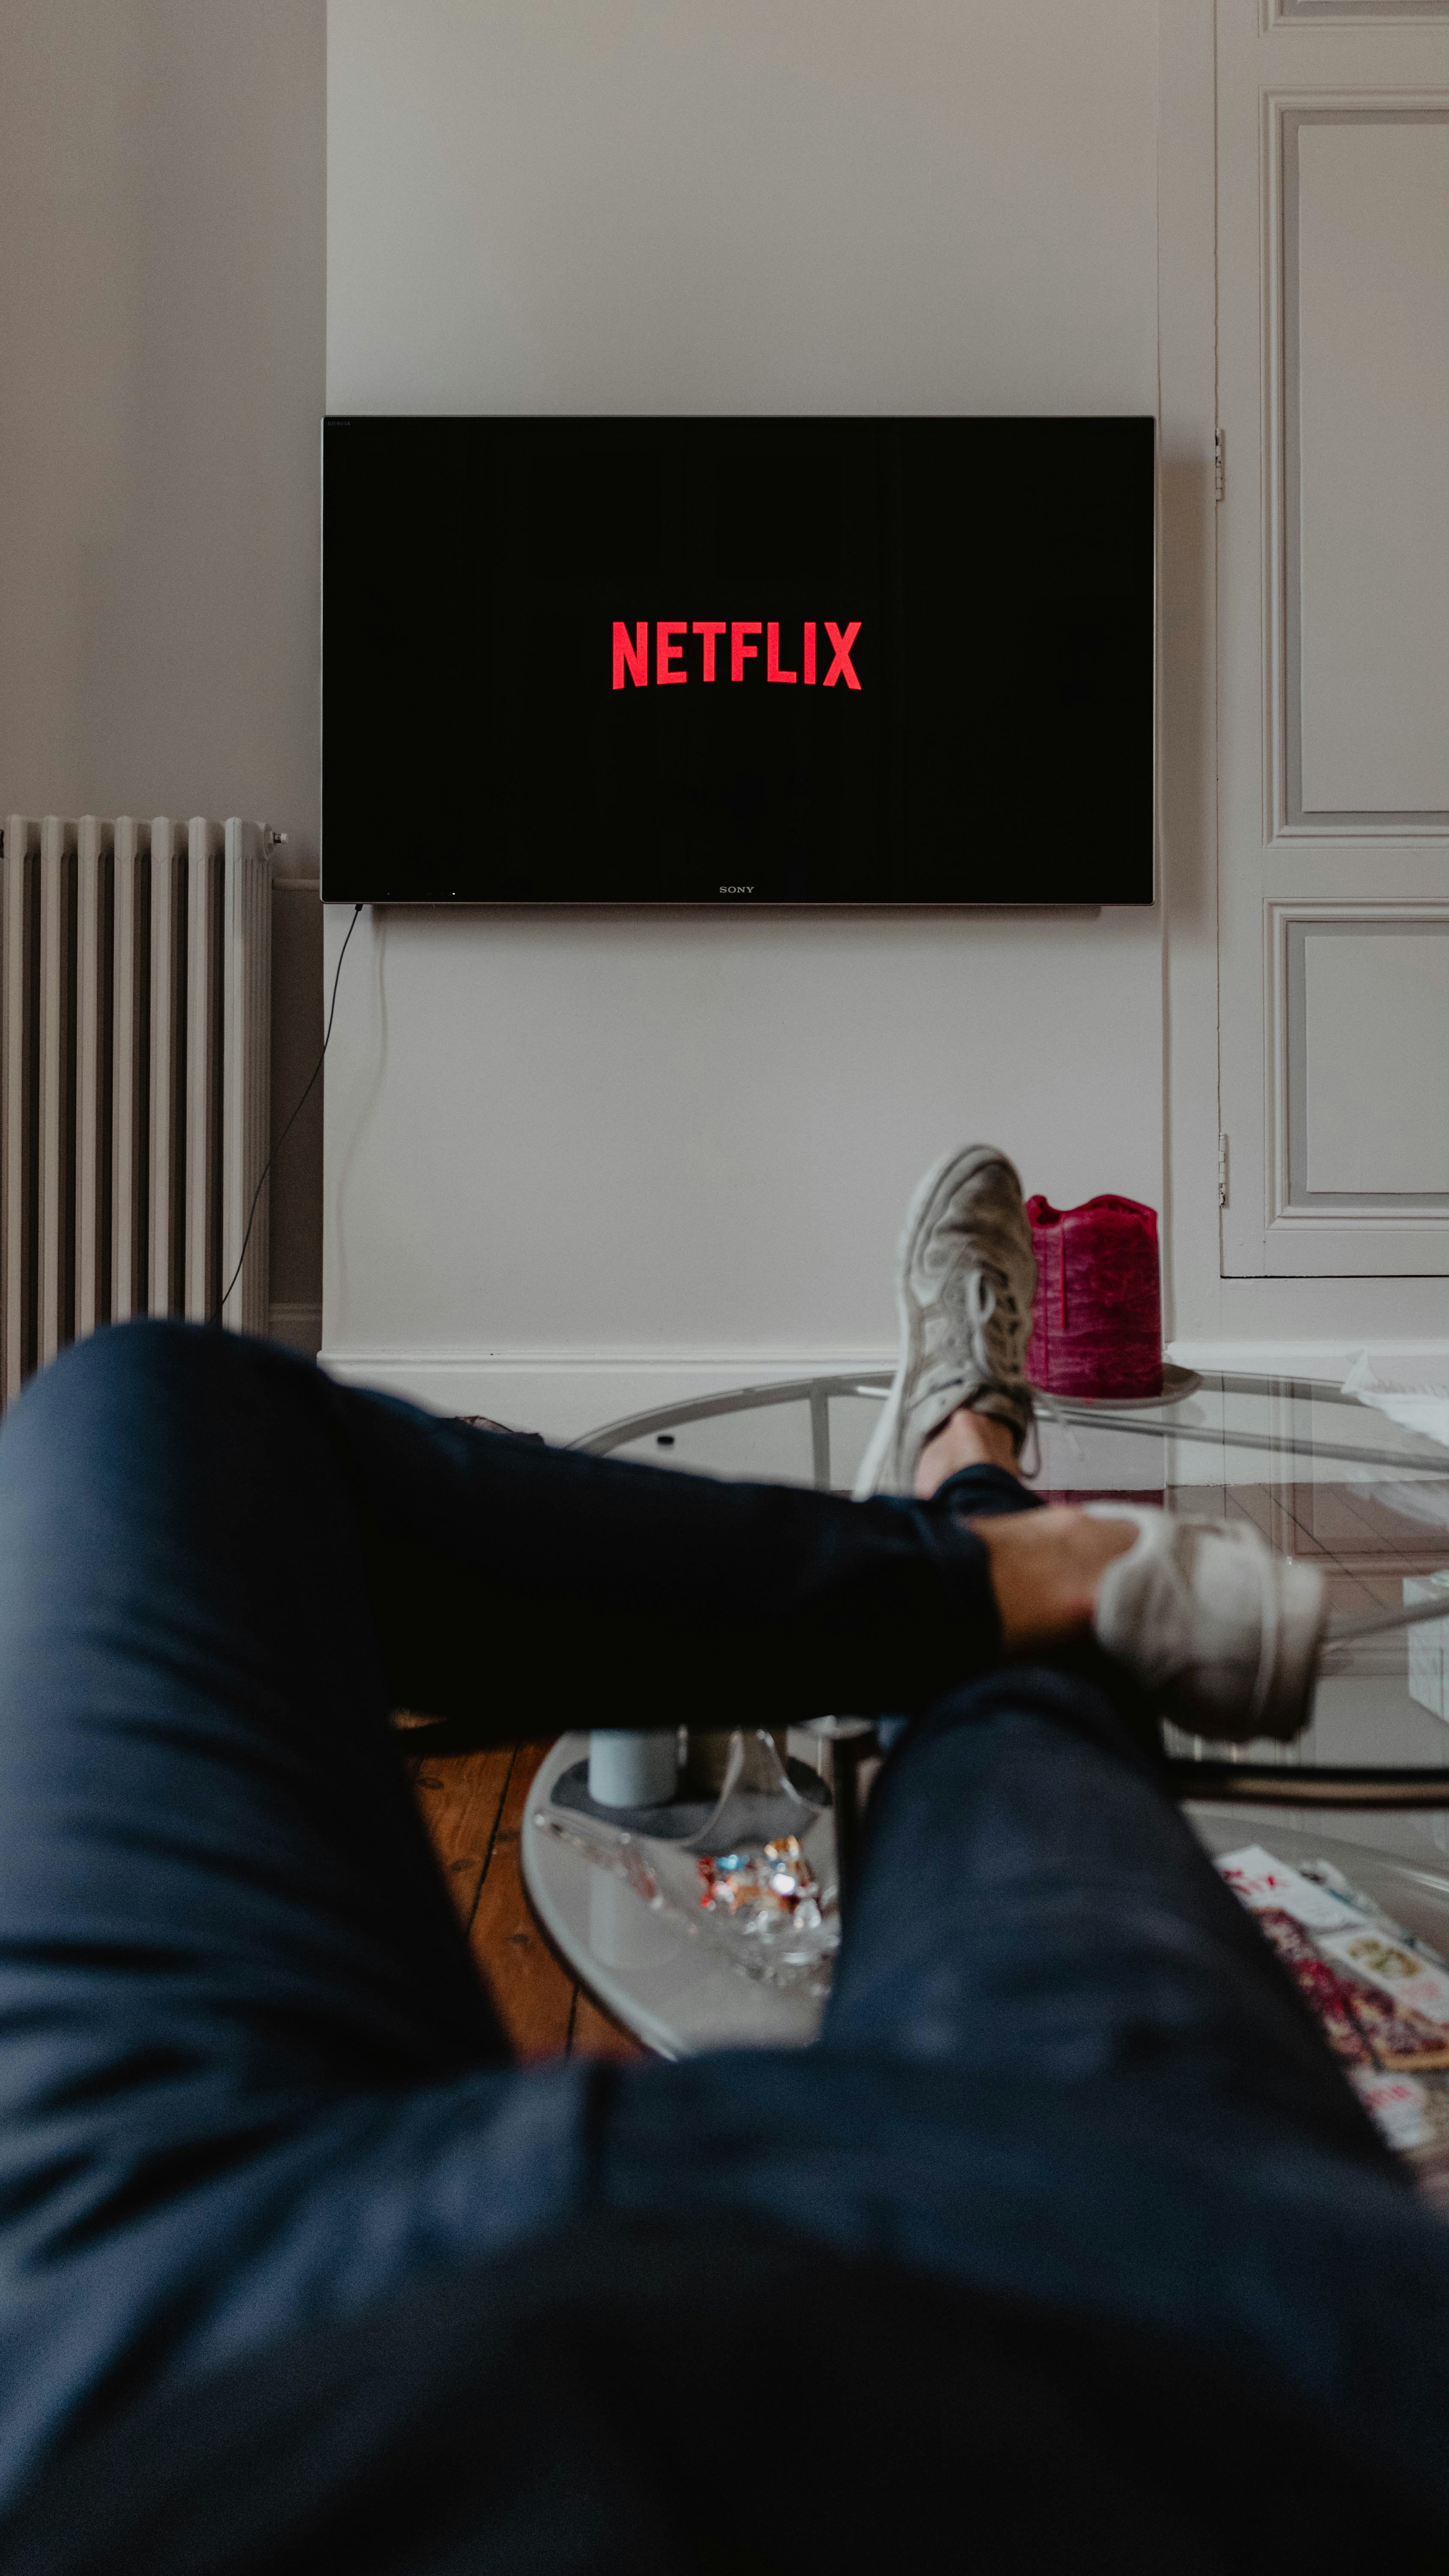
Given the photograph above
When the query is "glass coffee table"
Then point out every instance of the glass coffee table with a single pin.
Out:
(1326, 1476)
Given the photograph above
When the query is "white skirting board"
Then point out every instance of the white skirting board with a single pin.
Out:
(566, 1394)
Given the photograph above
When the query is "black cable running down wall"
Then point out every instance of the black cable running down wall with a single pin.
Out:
(291, 1123)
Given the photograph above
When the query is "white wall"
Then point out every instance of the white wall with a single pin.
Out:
(574, 1161)
(162, 324)
(679, 1142)
(621, 1153)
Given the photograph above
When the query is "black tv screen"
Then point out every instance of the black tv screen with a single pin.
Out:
(738, 661)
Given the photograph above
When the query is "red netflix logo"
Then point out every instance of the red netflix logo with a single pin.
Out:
(631, 651)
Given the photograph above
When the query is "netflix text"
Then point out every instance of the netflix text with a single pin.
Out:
(736, 643)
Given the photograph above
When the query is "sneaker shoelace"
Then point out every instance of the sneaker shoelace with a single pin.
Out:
(980, 1307)
(981, 1303)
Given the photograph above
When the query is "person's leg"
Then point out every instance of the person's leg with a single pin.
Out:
(1032, 1900)
(1068, 1921)
(973, 1463)
(968, 1470)
(246, 2068)
(1060, 2064)
(984, 1493)
(219, 1572)
(1058, 2060)
(241, 2038)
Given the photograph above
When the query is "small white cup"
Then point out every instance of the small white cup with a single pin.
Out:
(633, 1770)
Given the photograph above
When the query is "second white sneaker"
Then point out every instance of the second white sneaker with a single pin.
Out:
(1221, 1631)
(965, 1280)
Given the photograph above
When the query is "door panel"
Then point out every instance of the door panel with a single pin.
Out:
(1374, 1011)
(1362, 1002)
(1366, 458)
(1352, 13)
(1333, 631)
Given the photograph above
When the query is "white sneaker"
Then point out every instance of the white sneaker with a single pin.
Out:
(965, 1280)
(1222, 1633)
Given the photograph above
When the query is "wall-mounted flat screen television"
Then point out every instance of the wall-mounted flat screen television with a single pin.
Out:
(738, 661)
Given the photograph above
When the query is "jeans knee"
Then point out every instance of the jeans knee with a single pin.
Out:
(145, 1349)
(128, 1373)
(1075, 1694)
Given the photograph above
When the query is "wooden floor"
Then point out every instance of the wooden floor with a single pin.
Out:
(473, 1805)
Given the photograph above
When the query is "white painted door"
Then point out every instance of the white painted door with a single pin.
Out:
(1333, 634)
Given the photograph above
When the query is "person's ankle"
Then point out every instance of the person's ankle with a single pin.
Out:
(1046, 1568)
(965, 1439)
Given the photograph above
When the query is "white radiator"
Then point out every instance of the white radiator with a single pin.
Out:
(135, 971)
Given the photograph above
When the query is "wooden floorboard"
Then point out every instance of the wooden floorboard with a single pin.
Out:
(596, 2034)
(473, 1805)
(461, 1798)
(533, 1994)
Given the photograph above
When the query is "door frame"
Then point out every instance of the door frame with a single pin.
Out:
(1214, 1319)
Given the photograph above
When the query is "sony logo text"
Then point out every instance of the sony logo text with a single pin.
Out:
(631, 651)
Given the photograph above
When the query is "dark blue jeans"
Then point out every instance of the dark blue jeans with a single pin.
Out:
(247, 2073)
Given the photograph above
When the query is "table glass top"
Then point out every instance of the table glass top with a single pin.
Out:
(1327, 1476)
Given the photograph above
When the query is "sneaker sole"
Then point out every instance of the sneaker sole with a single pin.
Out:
(942, 1178)
(1302, 1616)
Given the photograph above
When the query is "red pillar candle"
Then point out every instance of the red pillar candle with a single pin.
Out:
(1097, 1328)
